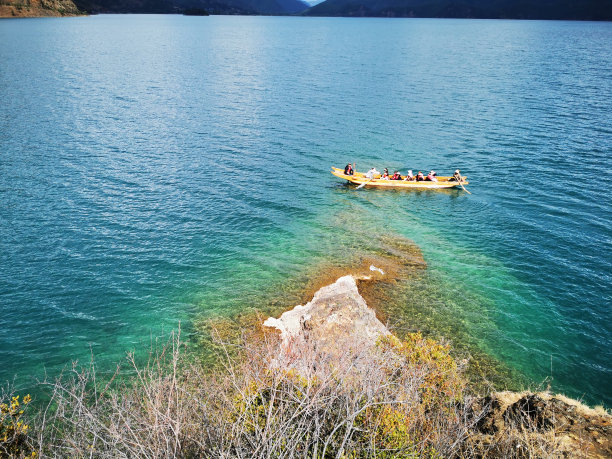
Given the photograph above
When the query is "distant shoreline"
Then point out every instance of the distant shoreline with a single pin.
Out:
(6, 12)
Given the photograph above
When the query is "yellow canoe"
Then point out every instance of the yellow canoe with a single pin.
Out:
(358, 178)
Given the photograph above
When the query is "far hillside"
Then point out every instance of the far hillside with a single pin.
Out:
(596, 10)
(241, 7)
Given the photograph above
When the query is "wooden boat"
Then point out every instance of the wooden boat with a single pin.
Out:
(358, 178)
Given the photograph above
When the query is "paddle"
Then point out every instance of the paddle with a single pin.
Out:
(364, 184)
(460, 183)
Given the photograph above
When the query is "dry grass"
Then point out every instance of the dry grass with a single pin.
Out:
(529, 425)
(508, 397)
(400, 400)
(580, 407)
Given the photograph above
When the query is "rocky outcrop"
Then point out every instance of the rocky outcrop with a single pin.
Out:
(523, 422)
(38, 8)
(336, 321)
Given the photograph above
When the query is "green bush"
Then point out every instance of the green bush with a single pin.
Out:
(14, 431)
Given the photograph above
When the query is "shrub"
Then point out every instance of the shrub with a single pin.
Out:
(14, 431)
(399, 399)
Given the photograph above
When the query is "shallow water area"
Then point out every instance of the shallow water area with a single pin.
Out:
(157, 169)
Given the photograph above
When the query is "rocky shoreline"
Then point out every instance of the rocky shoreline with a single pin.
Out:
(578, 430)
(338, 320)
(325, 379)
(38, 8)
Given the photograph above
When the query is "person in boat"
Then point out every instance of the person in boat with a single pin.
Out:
(349, 170)
(431, 177)
(456, 177)
(396, 176)
(409, 177)
(385, 175)
(419, 177)
(372, 173)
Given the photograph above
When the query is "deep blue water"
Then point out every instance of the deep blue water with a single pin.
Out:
(119, 136)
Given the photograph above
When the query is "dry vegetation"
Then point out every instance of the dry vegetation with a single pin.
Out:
(404, 399)
(38, 8)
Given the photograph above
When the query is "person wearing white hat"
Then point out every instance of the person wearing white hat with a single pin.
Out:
(372, 173)
(456, 177)
(409, 176)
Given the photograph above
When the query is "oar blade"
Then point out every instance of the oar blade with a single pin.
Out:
(364, 184)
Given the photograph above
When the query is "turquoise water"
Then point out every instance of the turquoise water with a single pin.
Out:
(118, 135)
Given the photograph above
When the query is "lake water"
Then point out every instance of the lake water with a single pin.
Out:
(157, 169)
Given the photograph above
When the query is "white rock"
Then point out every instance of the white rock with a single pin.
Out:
(335, 321)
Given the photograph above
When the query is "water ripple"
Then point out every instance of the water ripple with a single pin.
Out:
(179, 166)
